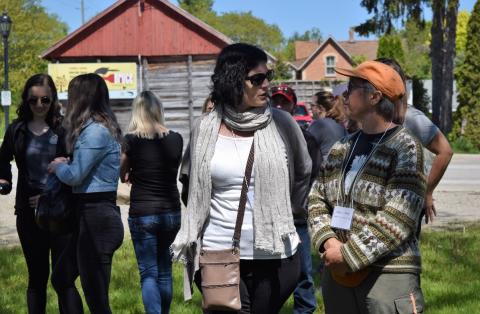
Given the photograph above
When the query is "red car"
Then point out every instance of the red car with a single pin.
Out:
(301, 115)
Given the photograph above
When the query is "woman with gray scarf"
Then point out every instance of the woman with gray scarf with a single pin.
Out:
(215, 165)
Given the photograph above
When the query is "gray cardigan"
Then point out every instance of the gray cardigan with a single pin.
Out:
(299, 164)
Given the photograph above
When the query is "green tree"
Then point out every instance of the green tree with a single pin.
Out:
(282, 71)
(247, 28)
(196, 7)
(390, 46)
(313, 34)
(202, 9)
(421, 99)
(416, 45)
(239, 26)
(442, 52)
(467, 118)
(33, 31)
(462, 24)
(358, 59)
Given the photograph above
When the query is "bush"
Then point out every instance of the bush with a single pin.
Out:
(464, 145)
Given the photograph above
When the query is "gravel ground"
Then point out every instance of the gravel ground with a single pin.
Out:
(457, 199)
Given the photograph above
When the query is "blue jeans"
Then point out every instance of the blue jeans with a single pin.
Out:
(152, 236)
(304, 294)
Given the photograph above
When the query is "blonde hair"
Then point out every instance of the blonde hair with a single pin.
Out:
(148, 119)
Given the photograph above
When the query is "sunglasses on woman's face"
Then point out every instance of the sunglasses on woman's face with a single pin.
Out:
(45, 100)
(259, 78)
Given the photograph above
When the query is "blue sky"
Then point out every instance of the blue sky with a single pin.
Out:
(333, 18)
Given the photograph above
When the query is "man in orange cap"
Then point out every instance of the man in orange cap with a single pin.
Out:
(365, 205)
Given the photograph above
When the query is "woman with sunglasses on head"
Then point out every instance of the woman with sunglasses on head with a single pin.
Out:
(150, 161)
(34, 139)
(93, 137)
(365, 206)
(221, 142)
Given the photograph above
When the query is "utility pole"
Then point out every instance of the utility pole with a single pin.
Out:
(5, 26)
(82, 11)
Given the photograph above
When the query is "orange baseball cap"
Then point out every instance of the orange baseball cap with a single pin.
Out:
(380, 75)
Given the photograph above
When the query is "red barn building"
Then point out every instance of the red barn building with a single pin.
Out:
(174, 53)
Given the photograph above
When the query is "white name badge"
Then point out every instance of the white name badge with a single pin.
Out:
(342, 217)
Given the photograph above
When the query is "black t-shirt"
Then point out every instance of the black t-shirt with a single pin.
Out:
(154, 166)
(361, 151)
(313, 151)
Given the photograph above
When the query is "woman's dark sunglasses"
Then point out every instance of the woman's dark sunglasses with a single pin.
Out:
(259, 78)
(45, 100)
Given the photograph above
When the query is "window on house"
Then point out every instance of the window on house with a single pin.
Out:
(330, 66)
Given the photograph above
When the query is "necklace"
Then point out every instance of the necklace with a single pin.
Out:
(352, 187)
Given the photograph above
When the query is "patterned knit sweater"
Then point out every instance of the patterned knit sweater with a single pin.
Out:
(387, 194)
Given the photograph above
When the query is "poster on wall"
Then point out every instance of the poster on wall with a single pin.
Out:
(121, 78)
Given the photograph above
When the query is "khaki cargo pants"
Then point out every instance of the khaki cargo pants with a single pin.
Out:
(379, 293)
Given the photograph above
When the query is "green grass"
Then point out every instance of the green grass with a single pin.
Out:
(450, 280)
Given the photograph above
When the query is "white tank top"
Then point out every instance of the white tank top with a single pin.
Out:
(227, 171)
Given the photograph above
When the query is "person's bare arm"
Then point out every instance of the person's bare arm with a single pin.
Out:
(443, 151)
(124, 169)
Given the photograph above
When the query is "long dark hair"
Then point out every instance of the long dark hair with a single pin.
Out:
(88, 99)
(231, 69)
(24, 112)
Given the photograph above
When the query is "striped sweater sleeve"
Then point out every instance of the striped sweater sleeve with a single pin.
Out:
(319, 216)
(398, 219)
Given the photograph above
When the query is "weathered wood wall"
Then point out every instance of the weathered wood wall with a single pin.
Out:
(176, 87)
(179, 82)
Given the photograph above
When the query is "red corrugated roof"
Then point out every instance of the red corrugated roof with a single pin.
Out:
(117, 31)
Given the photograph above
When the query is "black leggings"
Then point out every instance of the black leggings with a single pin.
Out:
(265, 285)
(99, 235)
(37, 245)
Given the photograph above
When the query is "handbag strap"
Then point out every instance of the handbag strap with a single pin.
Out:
(243, 198)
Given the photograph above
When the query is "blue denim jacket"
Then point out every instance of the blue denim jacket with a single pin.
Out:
(96, 161)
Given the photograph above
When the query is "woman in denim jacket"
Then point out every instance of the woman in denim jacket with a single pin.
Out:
(93, 137)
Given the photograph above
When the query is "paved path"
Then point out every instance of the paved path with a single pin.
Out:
(457, 199)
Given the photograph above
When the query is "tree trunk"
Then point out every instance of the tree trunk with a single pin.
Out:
(444, 26)
(436, 55)
(448, 68)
